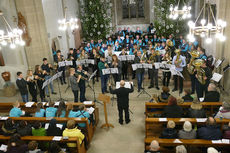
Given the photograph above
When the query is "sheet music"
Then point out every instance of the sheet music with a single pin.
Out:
(88, 102)
(61, 64)
(157, 65)
(90, 110)
(218, 62)
(152, 31)
(201, 99)
(134, 67)
(177, 141)
(127, 85)
(105, 71)
(78, 63)
(201, 119)
(216, 141)
(3, 148)
(67, 63)
(162, 119)
(29, 104)
(114, 70)
(216, 77)
(130, 57)
(57, 138)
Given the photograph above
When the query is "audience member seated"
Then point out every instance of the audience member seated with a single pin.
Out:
(38, 130)
(71, 111)
(226, 134)
(187, 132)
(212, 95)
(224, 111)
(72, 131)
(16, 145)
(181, 149)
(154, 147)
(53, 130)
(164, 95)
(33, 147)
(8, 128)
(172, 110)
(40, 111)
(82, 113)
(16, 111)
(211, 131)
(54, 148)
(51, 110)
(24, 129)
(187, 97)
(169, 132)
(61, 109)
(196, 110)
(212, 150)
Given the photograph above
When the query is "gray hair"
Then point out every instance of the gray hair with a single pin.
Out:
(181, 149)
(154, 145)
(211, 150)
(212, 86)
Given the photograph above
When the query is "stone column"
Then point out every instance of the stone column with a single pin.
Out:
(32, 11)
(222, 48)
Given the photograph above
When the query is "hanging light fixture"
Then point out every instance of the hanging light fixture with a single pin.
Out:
(185, 12)
(206, 27)
(12, 37)
(64, 23)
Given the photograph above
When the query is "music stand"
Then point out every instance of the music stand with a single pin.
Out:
(93, 89)
(105, 99)
(143, 66)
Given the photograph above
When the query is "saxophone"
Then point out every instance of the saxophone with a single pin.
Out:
(178, 60)
(194, 54)
(200, 72)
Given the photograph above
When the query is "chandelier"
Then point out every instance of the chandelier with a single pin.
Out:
(206, 27)
(64, 23)
(174, 12)
(12, 37)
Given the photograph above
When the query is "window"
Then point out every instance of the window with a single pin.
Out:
(133, 9)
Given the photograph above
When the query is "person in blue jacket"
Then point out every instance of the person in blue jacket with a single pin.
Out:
(184, 46)
(16, 111)
(61, 112)
(40, 111)
(110, 42)
(72, 113)
(82, 113)
(51, 110)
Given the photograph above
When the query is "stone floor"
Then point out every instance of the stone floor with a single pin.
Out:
(122, 138)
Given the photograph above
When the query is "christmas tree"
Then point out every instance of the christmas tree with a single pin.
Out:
(163, 24)
(95, 18)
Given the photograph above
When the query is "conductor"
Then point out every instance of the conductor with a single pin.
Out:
(122, 100)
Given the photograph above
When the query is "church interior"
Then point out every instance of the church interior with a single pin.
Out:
(114, 76)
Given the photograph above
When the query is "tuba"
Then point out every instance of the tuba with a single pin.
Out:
(200, 72)
(194, 54)
(178, 60)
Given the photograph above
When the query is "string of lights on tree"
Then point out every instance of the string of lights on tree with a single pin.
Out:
(96, 19)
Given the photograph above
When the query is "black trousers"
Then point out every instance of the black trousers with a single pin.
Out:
(201, 89)
(116, 78)
(153, 77)
(166, 78)
(176, 82)
(82, 91)
(75, 93)
(120, 111)
(193, 82)
(41, 91)
(62, 78)
(124, 71)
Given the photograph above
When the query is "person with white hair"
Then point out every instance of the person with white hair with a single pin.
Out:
(181, 149)
(212, 95)
(154, 147)
(122, 100)
(170, 132)
(187, 132)
(224, 111)
(212, 150)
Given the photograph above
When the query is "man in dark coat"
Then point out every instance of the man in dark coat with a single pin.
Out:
(122, 100)
(212, 95)
(22, 86)
(211, 131)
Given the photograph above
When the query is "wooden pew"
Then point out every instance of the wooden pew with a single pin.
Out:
(6, 107)
(209, 105)
(187, 143)
(89, 127)
(80, 147)
(154, 126)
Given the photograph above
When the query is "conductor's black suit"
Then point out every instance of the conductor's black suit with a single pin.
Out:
(122, 102)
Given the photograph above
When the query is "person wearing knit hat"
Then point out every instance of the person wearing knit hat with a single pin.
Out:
(224, 111)
(187, 132)
(196, 110)
(181, 149)
(212, 150)
(172, 110)
(169, 132)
